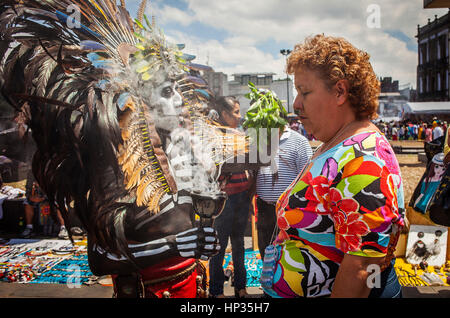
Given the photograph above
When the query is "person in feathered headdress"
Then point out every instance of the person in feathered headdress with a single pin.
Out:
(116, 116)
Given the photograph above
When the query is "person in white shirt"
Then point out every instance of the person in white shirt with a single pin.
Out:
(271, 181)
(438, 131)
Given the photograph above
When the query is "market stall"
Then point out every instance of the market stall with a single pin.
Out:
(44, 261)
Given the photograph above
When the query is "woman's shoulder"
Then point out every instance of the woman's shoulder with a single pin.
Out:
(369, 146)
(357, 145)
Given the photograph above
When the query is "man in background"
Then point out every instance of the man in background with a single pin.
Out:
(293, 154)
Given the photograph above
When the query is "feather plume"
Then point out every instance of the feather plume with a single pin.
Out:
(137, 157)
(141, 10)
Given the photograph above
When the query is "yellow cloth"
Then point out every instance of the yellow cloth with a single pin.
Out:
(407, 276)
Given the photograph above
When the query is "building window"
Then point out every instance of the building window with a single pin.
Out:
(423, 53)
(443, 82)
(439, 88)
(442, 46)
(433, 50)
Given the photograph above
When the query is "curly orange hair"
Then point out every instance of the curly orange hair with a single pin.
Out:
(335, 59)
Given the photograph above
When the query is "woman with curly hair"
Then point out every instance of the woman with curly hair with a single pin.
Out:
(340, 219)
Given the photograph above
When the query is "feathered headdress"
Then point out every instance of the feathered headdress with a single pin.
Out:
(85, 72)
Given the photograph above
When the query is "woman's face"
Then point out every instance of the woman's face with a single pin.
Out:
(232, 118)
(315, 104)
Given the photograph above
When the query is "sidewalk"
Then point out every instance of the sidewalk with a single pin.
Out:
(17, 290)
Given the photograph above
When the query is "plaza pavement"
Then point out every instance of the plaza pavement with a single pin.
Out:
(16, 290)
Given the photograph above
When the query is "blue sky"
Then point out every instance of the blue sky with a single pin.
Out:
(236, 36)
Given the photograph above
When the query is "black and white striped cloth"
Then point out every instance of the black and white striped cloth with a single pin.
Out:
(293, 154)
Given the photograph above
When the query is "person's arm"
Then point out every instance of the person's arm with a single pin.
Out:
(134, 238)
(353, 276)
(252, 183)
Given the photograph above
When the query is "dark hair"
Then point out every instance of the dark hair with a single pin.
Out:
(225, 104)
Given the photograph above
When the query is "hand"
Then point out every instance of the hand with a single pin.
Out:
(200, 243)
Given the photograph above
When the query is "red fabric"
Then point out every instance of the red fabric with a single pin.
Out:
(184, 287)
(166, 268)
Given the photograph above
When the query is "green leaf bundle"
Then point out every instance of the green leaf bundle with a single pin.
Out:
(267, 111)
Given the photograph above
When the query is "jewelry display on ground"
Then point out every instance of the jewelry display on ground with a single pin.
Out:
(45, 262)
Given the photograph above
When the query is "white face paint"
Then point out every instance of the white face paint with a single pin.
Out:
(167, 105)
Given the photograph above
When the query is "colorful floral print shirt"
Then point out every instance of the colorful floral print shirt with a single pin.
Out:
(349, 200)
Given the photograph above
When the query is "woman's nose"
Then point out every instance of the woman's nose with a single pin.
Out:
(298, 103)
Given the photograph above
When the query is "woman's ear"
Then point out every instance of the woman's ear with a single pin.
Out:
(342, 89)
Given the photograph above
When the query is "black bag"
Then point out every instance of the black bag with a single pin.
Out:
(434, 147)
(439, 207)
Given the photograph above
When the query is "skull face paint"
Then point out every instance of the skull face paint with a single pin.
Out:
(166, 103)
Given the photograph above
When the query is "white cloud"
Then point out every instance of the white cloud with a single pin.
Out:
(175, 15)
(247, 23)
(235, 55)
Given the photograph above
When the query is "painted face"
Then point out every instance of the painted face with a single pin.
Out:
(438, 172)
(314, 104)
(233, 117)
(167, 103)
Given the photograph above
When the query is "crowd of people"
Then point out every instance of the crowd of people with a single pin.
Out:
(407, 130)
(399, 130)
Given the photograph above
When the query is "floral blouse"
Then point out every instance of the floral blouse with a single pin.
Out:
(349, 200)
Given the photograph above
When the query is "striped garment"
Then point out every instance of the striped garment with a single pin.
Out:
(238, 182)
(293, 154)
